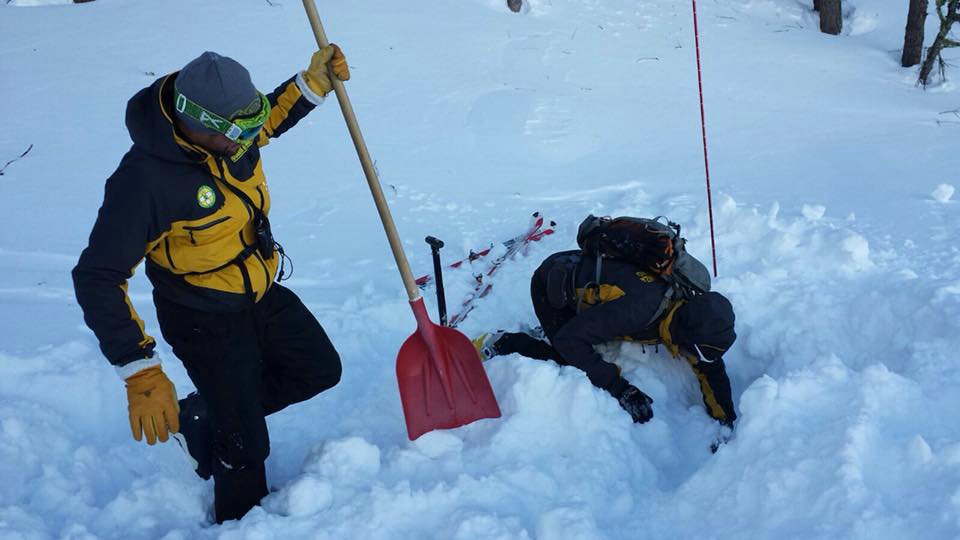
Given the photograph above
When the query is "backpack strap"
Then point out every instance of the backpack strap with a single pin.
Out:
(594, 284)
(665, 304)
(596, 275)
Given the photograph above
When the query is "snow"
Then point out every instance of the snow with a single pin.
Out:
(841, 263)
(813, 212)
(943, 193)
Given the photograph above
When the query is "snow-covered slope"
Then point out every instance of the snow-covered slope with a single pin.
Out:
(835, 243)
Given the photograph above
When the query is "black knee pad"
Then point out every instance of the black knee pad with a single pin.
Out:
(237, 450)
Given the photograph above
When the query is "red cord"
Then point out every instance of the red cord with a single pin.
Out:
(703, 128)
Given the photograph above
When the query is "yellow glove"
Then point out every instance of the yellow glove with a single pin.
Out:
(317, 76)
(152, 403)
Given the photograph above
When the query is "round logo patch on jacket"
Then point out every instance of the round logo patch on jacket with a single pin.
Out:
(206, 196)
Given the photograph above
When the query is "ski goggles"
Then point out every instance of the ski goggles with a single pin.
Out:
(242, 128)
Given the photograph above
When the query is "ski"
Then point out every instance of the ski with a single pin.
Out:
(535, 233)
(427, 280)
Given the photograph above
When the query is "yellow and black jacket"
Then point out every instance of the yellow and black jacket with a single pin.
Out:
(179, 207)
(621, 305)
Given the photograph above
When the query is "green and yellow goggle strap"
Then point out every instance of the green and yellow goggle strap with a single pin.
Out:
(239, 129)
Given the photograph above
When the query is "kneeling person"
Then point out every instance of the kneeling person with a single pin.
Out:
(577, 311)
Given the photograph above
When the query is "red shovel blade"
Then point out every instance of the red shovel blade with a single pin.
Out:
(442, 381)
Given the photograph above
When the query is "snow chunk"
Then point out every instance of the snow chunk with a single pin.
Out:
(307, 495)
(907, 273)
(943, 193)
(919, 451)
(346, 460)
(727, 205)
(773, 213)
(813, 212)
(859, 249)
(438, 443)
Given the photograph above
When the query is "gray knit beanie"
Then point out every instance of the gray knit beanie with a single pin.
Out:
(218, 84)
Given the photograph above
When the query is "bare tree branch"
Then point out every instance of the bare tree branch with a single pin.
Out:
(942, 40)
(25, 152)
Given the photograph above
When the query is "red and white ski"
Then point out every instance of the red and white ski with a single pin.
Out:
(534, 233)
(427, 280)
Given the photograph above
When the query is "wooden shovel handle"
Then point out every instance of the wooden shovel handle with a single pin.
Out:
(413, 292)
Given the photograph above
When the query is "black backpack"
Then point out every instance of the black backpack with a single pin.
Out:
(651, 244)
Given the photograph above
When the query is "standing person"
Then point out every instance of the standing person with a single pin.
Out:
(577, 311)
(190, 196)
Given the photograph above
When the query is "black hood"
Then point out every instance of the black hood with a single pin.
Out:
(149, 121)
(706, 320)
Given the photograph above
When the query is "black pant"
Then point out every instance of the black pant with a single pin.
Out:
(551, 319)
(247, 365)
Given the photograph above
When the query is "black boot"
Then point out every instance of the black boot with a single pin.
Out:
(237, 490)
(196, 434)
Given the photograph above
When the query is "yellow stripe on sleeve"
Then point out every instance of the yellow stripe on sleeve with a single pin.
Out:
(281, 110)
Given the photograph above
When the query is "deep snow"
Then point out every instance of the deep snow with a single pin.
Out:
(835, 215)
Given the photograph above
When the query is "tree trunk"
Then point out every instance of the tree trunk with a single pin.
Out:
(913, 37)
(831, 17)
(816, 5)
(933, 53)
